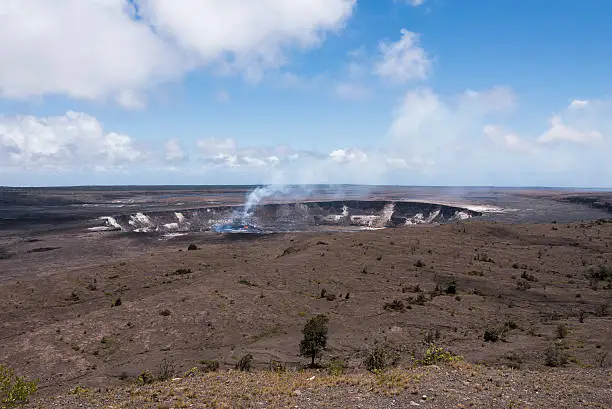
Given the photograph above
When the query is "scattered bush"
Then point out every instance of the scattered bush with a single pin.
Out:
(562, 331)
(182, 272)
(330, 297)
(74, 296)
(419, 263)
(244, 281)
(209, 365)
(523, 285)
(165, 312)
(483, 256)
(192, 372)
(555, 354)
(145, 378)
(601, 273)
(451, 288)
(395, 305)
(245, 363)
(496, 334)
(602, 360)
(514, 360)
(14, 390)
(166, 369)
(436, 291)
(192, 247)
(431, 336)
(376, 359)
(435, 355)
(117, 302)
(336, 367)
(602, 310)
(315, 337)
(276, 366)
(491, 335)
(528, 277)
(420, 299)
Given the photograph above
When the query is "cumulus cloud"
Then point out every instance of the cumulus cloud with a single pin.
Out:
(71, 141)
(429, 132)
(559, 131)
(508, 140)
(348, 155)
(117, 49)
(582, 122)
(403, 61)
(173, 151)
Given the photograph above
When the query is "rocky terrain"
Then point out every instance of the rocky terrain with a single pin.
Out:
(95, 310)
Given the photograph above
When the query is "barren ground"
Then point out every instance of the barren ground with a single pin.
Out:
(61, 321)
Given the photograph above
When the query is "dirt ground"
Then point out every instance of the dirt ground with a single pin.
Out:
(98, 309)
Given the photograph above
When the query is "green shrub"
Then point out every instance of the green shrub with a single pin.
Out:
(245, 363)
(555, 354)
(276, 366)
(146, 378)
(14, 390)
(191, 372)
(336, 367)
(435, 355)
(376, 360)
(209, 365)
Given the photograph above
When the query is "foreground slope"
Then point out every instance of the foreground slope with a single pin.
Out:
(98, 309)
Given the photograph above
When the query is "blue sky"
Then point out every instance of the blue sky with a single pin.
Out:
(429, 92)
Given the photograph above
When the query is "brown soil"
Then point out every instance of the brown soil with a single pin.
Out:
(61, 321)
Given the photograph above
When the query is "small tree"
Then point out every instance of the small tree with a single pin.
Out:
(315, 337)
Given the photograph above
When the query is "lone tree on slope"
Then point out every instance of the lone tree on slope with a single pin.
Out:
(315, 337)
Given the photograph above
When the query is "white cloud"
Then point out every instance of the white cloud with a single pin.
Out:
(351, 92)
(173, 151)
(429, 133)
(348, 155)
(561, 132)
(415, 3)
(578, 103)
(216, 146)
(498, 98)
(584, 122)
(97, 50)
(508, 140)
(71, 141)
(83, 49)
(403, 61)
